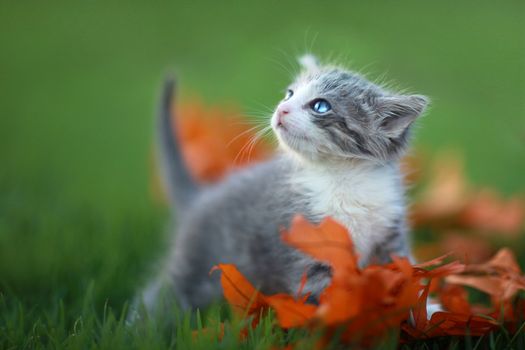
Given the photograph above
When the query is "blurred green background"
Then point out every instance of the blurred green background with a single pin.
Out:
(78, 83)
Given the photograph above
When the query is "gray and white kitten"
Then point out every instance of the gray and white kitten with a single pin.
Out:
(341, 138)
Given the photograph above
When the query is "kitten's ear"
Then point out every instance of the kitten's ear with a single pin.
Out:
(309, 62)
(398, 112)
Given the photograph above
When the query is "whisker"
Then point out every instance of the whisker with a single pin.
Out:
(308, 47)
(252, 140)
(240, 152)
(259, 117)
(290, 60)
(243, 133)
(256, 139)
(290, 73)
(268, 109)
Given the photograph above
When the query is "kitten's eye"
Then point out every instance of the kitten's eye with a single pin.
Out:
(321, 106)
(289, 93)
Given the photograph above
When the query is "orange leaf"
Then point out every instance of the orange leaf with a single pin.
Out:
(467, 248)
(291, 312)
(500, 277)
(455, 299)
(433, 262)
(247, 301)
(504, 260)
(338, 303)
(420, 311)
(443, 270)
(487, 211)
(329, 242)
(447, 323)
(239, 293)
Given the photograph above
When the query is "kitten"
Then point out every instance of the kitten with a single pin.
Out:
(341, 138)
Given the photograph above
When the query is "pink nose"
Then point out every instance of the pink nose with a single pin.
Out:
(283, 111)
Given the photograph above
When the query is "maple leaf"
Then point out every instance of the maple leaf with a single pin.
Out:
(291, 312)
(500, 277)
(248, 301)
(454, 298)
(445, 323)
(449, 323)
(240, 293)
(328, 242)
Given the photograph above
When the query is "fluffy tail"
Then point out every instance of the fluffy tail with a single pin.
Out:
(177, 179)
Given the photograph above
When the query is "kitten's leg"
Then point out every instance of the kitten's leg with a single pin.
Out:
(157, 296)
(318, 277)
(394, 243)
(144, 302)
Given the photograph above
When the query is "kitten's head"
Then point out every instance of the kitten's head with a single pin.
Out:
(331, 113)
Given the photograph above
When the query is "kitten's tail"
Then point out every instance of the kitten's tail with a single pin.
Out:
(178, 181)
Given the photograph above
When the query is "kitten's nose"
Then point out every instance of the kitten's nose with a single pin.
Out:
(283, 111)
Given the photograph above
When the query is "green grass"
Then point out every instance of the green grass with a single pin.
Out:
(79, 232)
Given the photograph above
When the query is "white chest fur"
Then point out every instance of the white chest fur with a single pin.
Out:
(367, 199)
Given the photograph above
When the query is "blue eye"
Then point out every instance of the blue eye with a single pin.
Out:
(289, 93)
(321, 106)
